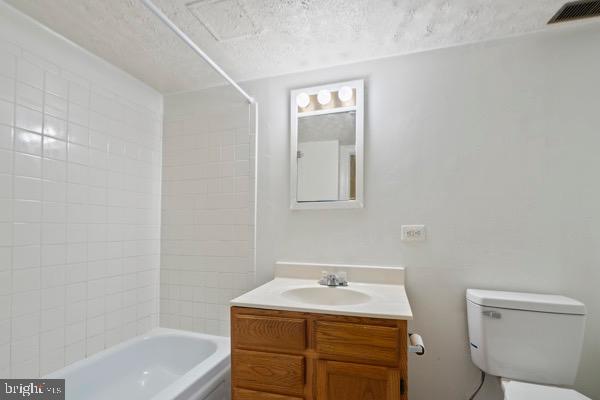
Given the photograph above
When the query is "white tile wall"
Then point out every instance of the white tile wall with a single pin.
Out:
(207, 209)
(80, 185)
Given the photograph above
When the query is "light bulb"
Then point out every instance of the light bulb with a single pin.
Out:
(324, 97)
(302, 100)
(345, 93)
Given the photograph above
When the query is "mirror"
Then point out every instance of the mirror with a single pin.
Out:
(327, 146)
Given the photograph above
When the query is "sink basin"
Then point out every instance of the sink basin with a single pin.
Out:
(328, 296)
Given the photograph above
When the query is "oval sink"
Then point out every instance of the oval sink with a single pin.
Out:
(326, 296)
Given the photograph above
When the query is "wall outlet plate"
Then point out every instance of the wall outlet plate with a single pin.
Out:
(413, 233)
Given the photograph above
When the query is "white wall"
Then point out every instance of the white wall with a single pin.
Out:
(80, 164)
(494, 147)
(207, 255)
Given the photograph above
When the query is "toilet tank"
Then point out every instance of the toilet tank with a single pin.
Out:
(525, 336)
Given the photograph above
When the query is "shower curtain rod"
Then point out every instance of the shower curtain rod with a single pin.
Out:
(157, 11)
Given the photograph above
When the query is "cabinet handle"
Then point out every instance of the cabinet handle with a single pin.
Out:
(402, 387)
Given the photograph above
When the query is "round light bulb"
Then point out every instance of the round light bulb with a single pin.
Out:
(302, 100)
(345, 93)
(324, 97)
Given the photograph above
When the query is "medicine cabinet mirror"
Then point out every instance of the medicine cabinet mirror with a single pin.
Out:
(327, 154)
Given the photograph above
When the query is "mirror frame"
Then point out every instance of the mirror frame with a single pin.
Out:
(358, 85)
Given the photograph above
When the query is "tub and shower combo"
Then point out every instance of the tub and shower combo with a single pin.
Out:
(164, 364)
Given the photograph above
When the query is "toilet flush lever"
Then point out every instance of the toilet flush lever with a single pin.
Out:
(492, 314)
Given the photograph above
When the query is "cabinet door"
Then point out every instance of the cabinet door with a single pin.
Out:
(337, 380)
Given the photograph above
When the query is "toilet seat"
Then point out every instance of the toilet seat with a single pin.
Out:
(516, 390)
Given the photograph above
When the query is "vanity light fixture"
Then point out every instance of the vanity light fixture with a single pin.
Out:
(303, 100)
(324, 97)
(345, 94)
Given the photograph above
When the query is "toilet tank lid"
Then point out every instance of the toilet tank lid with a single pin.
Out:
(526, 301)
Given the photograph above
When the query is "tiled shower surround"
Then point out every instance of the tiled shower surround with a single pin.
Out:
(82, 248)
(80, 169)
(207, 208)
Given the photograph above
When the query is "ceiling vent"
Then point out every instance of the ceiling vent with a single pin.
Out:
(577, 10)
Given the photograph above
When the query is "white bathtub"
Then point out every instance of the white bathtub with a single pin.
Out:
(164, 364)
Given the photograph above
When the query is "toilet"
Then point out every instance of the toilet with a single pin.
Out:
(531, 341)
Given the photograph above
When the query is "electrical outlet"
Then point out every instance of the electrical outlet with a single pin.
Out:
(413, 233)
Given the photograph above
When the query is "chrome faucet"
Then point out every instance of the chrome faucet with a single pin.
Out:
(333, 279)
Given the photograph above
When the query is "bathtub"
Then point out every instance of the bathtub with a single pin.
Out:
(164, 364)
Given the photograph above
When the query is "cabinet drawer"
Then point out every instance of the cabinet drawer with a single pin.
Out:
(269, 333)
(358, 342)
(244, 394)
(279, 373)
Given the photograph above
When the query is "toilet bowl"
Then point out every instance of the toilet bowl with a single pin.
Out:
(531, 341)
(516, 390)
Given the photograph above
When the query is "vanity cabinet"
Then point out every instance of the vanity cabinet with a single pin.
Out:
(284, 355)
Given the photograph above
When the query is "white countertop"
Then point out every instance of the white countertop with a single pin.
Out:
(385, 296)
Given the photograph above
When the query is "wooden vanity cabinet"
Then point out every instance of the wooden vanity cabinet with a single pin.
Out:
(284, 355)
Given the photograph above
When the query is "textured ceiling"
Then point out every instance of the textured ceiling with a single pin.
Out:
(258, 38)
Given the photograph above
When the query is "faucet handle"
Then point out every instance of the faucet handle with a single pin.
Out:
(333, 279)
(324, 278)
